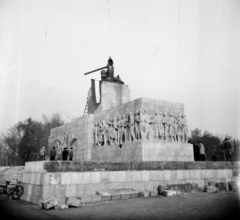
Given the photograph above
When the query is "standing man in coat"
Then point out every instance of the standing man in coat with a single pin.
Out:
(42, 153)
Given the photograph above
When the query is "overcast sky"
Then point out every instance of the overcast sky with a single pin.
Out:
(172, 50)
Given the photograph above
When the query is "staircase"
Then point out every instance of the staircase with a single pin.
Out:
(86, 108)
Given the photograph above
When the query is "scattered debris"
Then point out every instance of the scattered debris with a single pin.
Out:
(47, 204)
(168, 193)
(72, 201)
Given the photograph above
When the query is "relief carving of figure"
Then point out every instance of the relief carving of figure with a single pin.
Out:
(155, 126)
(119, 126)
(148, 125)
(105, 133)
(171, 128)
(184, 129)
(165, 125)
(131, 127)
(178, 128)
(115, 129)
(124, 129)
(136, 125)
(95, 132)
(160, 126)
(111, 136)
(141, 123)
(100, 134)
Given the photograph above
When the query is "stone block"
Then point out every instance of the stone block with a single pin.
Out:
(173, 174)
(62, 200)
(36, 191)
(95, 177)
(153, 193)
(48, 192)
(106, 197)
(60, 190)
(96, 198)
(71, 190)
(118, 176)
(191, 174)
(73, 201)
(179, 174)
(86, 177)
(47, 204)
(144, 194)
(133, 195)
(85, 199)
(81, 189)
(145, 175)
(186, 174)
(137, 176)
(116, 196)
(219, 173)
(168, 193)
(197, 174)
(124, 196)
(61, 206)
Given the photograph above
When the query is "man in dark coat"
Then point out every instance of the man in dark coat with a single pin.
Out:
(53, 154)
(65, 154)
(227, 148)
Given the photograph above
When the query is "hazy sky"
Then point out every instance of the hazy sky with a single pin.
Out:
(185, 51)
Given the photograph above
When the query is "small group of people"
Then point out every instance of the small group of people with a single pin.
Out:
(199, 151)
(66, 155)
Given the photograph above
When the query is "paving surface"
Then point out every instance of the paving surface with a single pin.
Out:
(187, 206)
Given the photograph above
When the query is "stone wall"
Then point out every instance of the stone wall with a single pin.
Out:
(42, 185)
(144, 151)
(82, 128)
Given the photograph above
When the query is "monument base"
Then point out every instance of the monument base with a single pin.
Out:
(144, 151)
(60, 180)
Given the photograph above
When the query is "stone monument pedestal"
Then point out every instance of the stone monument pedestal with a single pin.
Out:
(144, 151)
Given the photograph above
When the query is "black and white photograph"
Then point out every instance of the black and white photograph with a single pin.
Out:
(120, 109)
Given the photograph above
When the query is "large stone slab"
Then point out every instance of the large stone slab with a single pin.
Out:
(149, 150)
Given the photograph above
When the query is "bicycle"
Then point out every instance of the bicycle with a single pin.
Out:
(14, 192)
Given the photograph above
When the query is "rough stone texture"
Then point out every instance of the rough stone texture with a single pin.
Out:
(153, 193)
(133, 195)
(144, 151)
(71, 201)
(112, 95)
(96, 198)
(85, 199)
(49, 203)
(125, 196)
(116, 196)
(144, 194)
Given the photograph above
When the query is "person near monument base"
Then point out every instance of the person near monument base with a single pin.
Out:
(227, 149)
(71, 154)
(53, 154)
(65, 154)
(202, 151)
(196, 151)
(42, 153)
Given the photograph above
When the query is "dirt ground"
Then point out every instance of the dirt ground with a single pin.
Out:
(187, 206)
